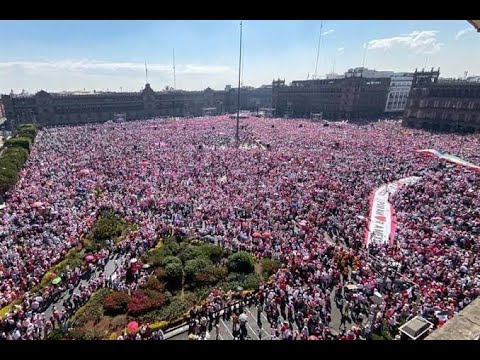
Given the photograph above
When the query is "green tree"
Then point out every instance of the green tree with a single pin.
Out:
(194, 266)
(241, 262)
(213, 252)
(191, 252)
(174, 274)
(171, 259)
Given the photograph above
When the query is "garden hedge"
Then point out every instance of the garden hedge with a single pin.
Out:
(15, 155)
(23, 142)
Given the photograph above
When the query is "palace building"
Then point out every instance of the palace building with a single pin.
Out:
(353, 96)
(50, 109)
(443, 105)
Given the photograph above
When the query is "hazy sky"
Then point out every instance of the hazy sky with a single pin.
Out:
(73, 55)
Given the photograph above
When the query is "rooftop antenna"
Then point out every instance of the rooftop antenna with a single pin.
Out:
(426, 60)
(237, 138)
(333, 67)
(318, 49)
(174, 78)
(146, 73)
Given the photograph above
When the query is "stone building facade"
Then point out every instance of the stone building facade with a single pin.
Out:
(350, 97)
(251, 99)
(448, 105)
(50, 109)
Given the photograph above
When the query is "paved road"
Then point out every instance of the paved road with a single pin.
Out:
(253, 328)
(109, 270)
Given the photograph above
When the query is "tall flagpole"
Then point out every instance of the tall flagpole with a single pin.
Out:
(237, 137)
(146, 73)
(318, 49)
(174, 78)
(364, 54)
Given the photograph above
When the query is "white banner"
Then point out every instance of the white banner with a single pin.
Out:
(382, 222)
(451, 158)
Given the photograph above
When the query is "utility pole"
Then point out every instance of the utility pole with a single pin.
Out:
(237, 138)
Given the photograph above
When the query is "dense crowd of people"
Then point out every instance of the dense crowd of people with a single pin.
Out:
(289, 187)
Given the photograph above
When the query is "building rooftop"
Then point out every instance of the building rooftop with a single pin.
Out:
(416, 327)
(463, 326)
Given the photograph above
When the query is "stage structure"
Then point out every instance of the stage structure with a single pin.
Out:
(120, 117)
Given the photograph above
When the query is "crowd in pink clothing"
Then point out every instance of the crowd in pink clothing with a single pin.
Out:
(289, 184)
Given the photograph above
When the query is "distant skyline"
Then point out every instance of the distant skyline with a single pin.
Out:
(98, 55)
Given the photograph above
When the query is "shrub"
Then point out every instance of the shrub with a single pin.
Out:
(229, 285)
(16, 156)
(160, 273)
(156, 257)
(190, 253)
(160, 325)
(175, 310)
(153, 284)
(270, 267)
(159, 243)
(12, 160)
(201, 293)
(213, 252)
(143, 301)
(112, 336)
(27, 134)
(73, 259)
(252, 281)
(116, 302)
(241, 262)
(234, 277)
(167, 297)
(56, 334)
(108, 226)
(171, 247)
(210, 275)
(192, 267)
(171, 260)
(174, 274)
(377, 337)
(22, 142)
(27, 128)
(8, 178)
(87, 333)
(5, 310)
(92, 310)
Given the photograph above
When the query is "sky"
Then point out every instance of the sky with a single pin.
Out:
(71, 55)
